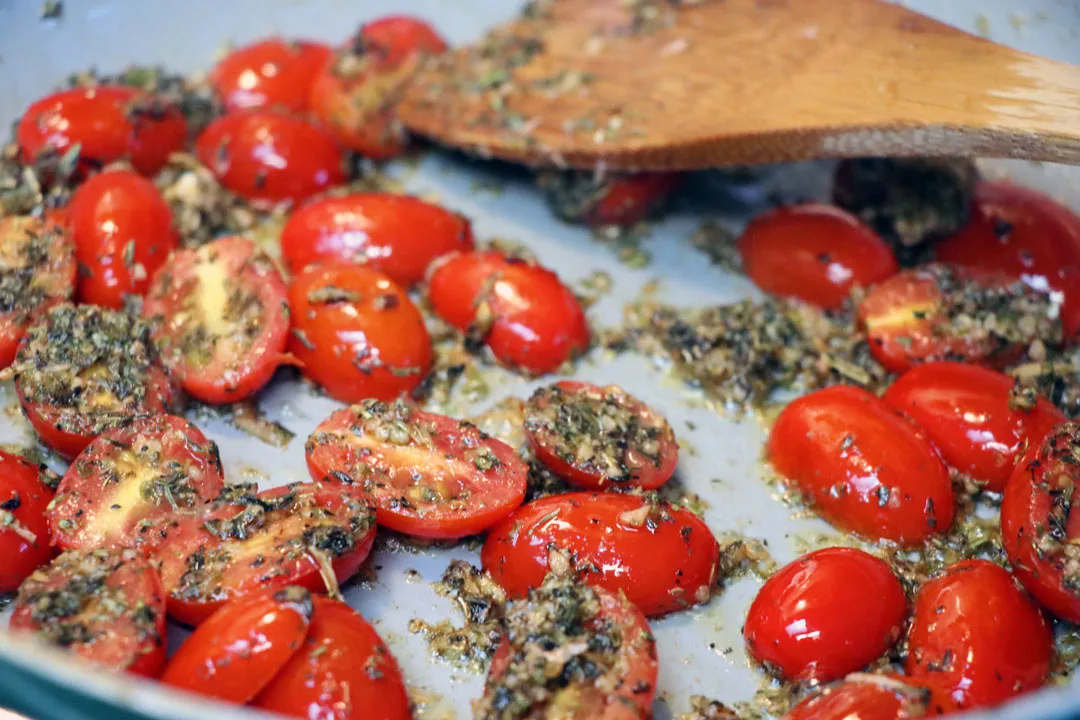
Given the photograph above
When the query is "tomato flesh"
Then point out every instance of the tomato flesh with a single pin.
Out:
(428, 475)
(24, 537)
(271, 73)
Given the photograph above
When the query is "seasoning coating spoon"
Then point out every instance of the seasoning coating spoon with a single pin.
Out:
(683, 84)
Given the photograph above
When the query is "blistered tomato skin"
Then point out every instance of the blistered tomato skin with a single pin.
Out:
(519, 309)
(24, 543)
(271, 73)
(266, 157)
(862, 466)
(663, 558)
(816, 253)
(977, 634)
(965, 412)
(800, 625)
(108, 123)
(395, 234)
(123, 233)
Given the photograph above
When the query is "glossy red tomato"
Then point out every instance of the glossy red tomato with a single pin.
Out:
(24, 535)
(519, 309)
(37, 270)
(869, 697)
(268, 157)
(299, 534)
(241, 647)
(394, 39)
(1038, 526)
(222, 319)
(133, 482)
(344, 671)
(105, 606)
(975, 633)
(356, 332)
(1024, 233)
(108, 123)
(597, 437)
(863, 467)
(273, 72)
(812, 252)
(800, 625)
(396, 234)
(965, 412)
(428, 475)
(123, 233)
(663, 558)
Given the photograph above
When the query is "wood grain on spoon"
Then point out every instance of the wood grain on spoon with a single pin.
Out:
(664, 84)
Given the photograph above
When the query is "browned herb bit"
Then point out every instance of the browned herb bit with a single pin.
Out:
(703, 708)
(31, 188)
(37, 265)
(202, 209)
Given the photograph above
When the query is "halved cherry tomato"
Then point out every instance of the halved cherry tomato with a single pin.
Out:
(106, 606)
(223, 319)
(966, 413)
(865, 468)
(272, 73)
(800, 625)
(344, 671)
(662, 557)
(813, 252)
(108, 123)
(428, 475)
(975, 633)
(82, 370)
(1026, 234)
(519, 309)
(24, 532)
(123, 233)
(936, 312)
(862, 696)
(264, 156)
(241, 647)
(581, 197)
(597, 437)
(133, 482)
(356, 332)
(37, 270)
(396, 234)
(1038, 525)
(299, 534)
(575, 651)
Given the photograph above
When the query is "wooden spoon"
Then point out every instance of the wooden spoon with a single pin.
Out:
(670, 84)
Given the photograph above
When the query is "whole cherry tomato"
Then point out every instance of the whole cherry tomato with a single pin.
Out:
(268, 157)
(241, 647)
(863, 696)
(975, 633)
(519, 309)
(800, 625)
(581, 197)
(394, 39)
(273, 72)
(816, 253)
(966, 412)
(123, 233)
(395, 234)
(863, 467)
(357, 333)
(24, 532)
(1026, 234)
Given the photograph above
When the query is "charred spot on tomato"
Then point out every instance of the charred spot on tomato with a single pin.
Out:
(31, 265)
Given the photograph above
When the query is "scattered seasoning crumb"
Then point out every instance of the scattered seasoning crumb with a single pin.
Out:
(719, 245)
(52, 10)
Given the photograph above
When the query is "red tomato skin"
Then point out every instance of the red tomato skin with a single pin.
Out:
(98, 119)
(978, 636)
(815, 253)
(1024, 233)
(272, 73)
(670, 567)
(395, 234)
(964, 411)
(887, 483)
(394, 38)
(241, 647)
(343, 671)
(870, 697)
(538, 324)
(119, 222)
(267, 157)
(632, 198)
(23, 495)
(352, 348)
(800, 623)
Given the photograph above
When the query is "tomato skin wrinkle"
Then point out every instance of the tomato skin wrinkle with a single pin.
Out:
(862, 466)
(272, 73)
(801, 625)
(24, 543)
